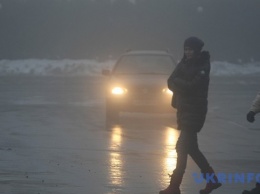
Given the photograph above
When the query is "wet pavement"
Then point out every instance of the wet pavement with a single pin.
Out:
(54, 139)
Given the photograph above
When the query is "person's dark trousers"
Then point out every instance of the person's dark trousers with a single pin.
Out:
(187, 144)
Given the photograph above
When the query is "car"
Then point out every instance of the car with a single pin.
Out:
(138, 83)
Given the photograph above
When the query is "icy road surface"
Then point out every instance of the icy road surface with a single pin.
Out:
(54, 139)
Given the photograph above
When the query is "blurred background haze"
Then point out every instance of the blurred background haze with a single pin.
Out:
(103, 29)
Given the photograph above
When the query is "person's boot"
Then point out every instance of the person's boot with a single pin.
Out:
(255, 190)
(211, 185)
(174, 187)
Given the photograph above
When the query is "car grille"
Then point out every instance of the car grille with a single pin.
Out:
(145, 92)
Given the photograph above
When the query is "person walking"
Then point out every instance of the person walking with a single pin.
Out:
(255, 108)
(189, 83)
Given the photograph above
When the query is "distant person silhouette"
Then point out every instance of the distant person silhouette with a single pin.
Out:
(255, 108)
(189, 83)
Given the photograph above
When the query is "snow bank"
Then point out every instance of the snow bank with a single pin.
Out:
(219, 68)
(44, 67)
(67, 67)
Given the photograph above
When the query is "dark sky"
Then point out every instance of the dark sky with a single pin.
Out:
(99, 29)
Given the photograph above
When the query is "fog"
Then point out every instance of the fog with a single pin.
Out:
(103, 29)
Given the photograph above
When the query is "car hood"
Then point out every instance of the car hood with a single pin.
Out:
(140, 79)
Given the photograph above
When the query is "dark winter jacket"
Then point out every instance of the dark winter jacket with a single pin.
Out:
(189, 83)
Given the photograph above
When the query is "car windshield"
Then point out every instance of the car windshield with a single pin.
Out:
(144, 64)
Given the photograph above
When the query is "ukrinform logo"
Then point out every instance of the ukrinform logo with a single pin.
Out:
(227, 178)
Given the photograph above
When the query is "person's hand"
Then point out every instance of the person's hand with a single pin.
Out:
(250, 117)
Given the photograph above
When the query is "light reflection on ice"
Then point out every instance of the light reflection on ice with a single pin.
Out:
(116, 164)
(171, 136)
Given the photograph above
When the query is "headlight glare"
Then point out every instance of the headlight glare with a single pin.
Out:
(118, 91)
(167, 91)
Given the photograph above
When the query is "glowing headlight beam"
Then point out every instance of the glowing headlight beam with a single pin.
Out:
(167, 91)
(118, 91)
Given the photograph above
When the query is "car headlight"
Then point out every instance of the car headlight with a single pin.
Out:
(118, 91)
(167, 91)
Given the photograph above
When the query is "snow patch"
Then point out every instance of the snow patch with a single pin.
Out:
(219, 68)
(44, 67)
(67, 67)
